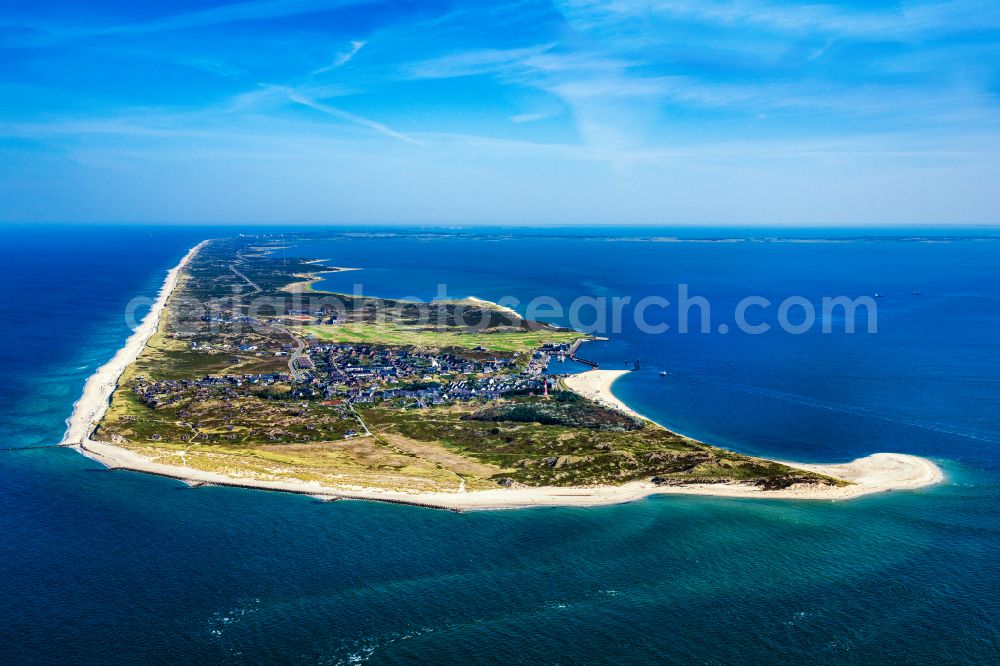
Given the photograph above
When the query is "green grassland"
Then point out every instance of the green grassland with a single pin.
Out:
(249, 417)
(429, 337)
(577, 452)
(355, 463)
(274, 431)
(169, 358)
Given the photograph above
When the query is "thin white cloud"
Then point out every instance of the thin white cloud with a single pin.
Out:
(616, 101)
(907, 19)
(361, 121)
(251, 10)
(342, 58)
(473, 62)
(522, 118)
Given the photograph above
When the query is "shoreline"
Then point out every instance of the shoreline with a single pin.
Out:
(496, 306)
(596, 385)
(95, 399)
(875, 473)
(307, 280)
(880, 472)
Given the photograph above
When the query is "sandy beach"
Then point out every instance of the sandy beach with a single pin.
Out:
(596, 385)
(496, 306)
(876, 473)
(307, 280)
(880, 472)
(92, 405)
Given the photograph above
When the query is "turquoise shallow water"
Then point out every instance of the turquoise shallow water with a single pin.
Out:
(121, 568)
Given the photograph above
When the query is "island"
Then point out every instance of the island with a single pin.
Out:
(244, 374)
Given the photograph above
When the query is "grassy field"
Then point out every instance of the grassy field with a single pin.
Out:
(436, 449)
(165, 358)
(537, 454)
(401, 335)
(286, 430)
(361, 462)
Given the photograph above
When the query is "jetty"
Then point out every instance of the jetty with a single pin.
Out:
(573, 356)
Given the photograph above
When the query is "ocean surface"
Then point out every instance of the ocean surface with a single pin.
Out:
(121, 568)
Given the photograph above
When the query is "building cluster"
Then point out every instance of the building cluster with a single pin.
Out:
(439, 393)
(359, 364)
(342, 373)
(171, 391)
(360, 373)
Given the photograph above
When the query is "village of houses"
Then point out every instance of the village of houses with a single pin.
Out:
(342, 375)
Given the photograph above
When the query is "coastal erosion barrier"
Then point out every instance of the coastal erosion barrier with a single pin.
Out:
(573, 357)
(61, 445)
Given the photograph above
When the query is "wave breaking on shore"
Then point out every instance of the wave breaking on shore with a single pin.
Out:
(93, 403)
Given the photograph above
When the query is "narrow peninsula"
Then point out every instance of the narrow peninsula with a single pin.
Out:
(244, 374)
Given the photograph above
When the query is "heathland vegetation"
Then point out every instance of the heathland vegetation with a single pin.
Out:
(254, 376)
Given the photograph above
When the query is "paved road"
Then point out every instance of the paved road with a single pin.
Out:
(300, 347)
(249, 281)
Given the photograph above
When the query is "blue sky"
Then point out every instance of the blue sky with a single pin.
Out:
(516, 112)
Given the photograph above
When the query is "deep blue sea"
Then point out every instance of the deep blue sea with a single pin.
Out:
(121, 568)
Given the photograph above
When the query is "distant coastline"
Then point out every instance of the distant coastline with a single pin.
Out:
(876, 473)
(309, 279)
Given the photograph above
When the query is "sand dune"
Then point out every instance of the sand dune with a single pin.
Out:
(92, 405)
(875, 473)
(880, 472)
